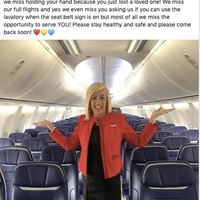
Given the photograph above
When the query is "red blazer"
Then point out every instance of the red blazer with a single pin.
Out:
(113, 129)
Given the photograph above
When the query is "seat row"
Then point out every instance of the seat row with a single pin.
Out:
(173, 144)
(166, 180)
(13, 156)
(36, 180)
(36, 144)
(137, 177)
(159, 180)
(191, 134)
(17, 137)
(138, 123)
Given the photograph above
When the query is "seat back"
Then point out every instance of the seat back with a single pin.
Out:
(139, 157)
(38, 181)
(42, 129)
(35, 144)
(166, 126)
(3, 195)
(159, 135)
(169, 181)
(69, 162)
(176, 130)
(190, 153)
(173, 144)
(6, 142)
(18, 137)
(127, 148)
(32, 131)
(10, 157)
(192, 134)
(47, 137)
(66, 128)
(80, 175)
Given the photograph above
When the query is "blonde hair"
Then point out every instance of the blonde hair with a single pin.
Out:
(95, 87)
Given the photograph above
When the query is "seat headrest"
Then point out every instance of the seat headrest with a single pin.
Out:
(18, 136)
(160, 134)
(39, 174)
(168, 174)
(192, 134)
(189, 152)
(6, 142)
(58, 154)
(176, 130)
(13, 155)
(35, 144)
(175, 142)
(46, 136)
(149, 153)
(166, 126)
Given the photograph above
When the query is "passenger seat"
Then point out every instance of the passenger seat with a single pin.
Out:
(190, 153)
(192, 134)
(35, 144)
(39, 180)
(176, 130)
(3, 195)
(10, 157)
(68, 161)
(173, 144)
(168, 180)
(139, 157)
(6, 142)
(18, 137)
(159, 135)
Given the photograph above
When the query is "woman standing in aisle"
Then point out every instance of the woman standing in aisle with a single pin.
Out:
(100, 133)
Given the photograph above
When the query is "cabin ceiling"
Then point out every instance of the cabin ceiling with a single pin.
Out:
(45, 72)
(101, 48)
(102, 60)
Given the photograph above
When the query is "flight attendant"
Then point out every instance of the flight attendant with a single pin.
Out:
(100, 133)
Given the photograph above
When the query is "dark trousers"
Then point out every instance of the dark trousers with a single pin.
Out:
(101, 189)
